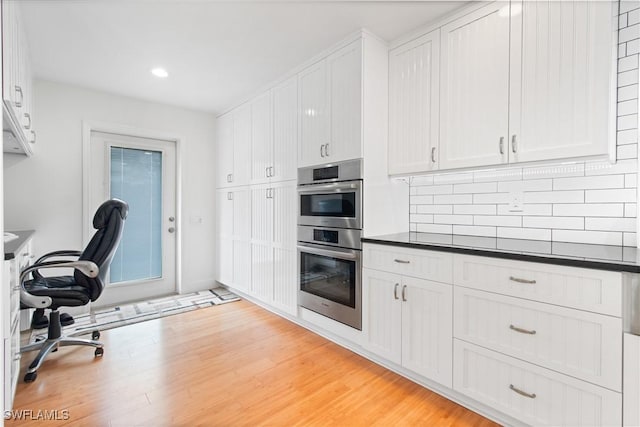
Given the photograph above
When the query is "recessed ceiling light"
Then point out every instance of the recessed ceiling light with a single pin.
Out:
(160, 72)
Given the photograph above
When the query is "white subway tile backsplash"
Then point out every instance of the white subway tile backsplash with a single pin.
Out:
(453, 219)
(584, 182)
(527, 185)
(474, 230)
(574, 196)
(452, 199)
(434, 209)
(610, 224)
(567, 223)
(474, 209)
(495, 220)
(482, 187)
(434, 189)
(617, 195)
(434, 228)
(629, 239)
(592, 209)
(524, 233)
(537, 209)
(627, 63)
(626, 34)
(580, 201)
(592, 237)
(628, 92)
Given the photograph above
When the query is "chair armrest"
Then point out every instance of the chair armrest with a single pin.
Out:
(58, 254)
(88, 268)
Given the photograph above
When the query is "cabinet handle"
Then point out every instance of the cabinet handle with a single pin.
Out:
(404, 293)
(502, 145)
(19, 90)
(28, 117)
(230, 195)
(514, 143)
(522, 393)
(401, 261)
(522, 331)
(230, 177)
(433, 154)
(272, 172)
(33, 132)
(321, 153)
(395, 291)
(266, 172)
(326, 150)
(517, 279)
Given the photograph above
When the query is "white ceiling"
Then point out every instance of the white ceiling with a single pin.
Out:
(217, 53)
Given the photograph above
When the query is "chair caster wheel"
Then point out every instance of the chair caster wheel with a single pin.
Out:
(99, 352)
(95, 335)
(30, 377)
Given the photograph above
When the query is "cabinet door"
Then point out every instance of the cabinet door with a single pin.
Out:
(427, 329)
(224, 150)
(560, 79)
(224, 214)
(284, 198)
(285, 131)
(262, 268)
(382, 314)
(241, 145)
(414, 80)
(242, 265)
(285, 284)
(261, 139)
(261, 215)
(242, 213)
(313, 115)
(474, 90)
(225, 261)
(344, 71)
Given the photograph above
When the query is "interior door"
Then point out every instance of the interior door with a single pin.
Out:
(142, 172)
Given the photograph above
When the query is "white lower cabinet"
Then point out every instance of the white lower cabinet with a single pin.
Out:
(408, 321)
(529, 393)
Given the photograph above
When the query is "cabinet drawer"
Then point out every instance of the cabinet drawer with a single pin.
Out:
(532, 394)
(577, 343)
(585, 289)
(431, 265)
(25, 257)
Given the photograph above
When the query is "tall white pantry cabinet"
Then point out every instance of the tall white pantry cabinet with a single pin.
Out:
(514, 82)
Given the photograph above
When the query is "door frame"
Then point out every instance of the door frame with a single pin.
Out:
(87, 213)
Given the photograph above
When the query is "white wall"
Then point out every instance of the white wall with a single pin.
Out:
(585, 202)
(44, 192)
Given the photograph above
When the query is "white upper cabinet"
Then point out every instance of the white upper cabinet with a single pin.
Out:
(560, 79)
(224, 150)
(285, 131)
(261, 139)
(414, 85)
(330, 93)
(233, 147)
(474, 97)
(17, 84)
(314, 130)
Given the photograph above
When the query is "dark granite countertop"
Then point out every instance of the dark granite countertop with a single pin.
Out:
(601, 257)
(14, 246)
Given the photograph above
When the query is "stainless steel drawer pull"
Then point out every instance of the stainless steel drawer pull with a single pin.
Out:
(28, 117)
(404, 293)
(501, 145)
(19, 103)
(433, 154)
(321, 152)
(522, 393)
(514, 144)
(401, 261)
(522, 331)
(395, 291)
(517, 279)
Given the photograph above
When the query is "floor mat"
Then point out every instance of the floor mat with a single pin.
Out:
(113, 317)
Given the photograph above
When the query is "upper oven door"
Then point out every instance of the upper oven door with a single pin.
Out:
(331, 205)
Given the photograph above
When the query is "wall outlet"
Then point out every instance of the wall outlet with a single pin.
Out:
(516, 201)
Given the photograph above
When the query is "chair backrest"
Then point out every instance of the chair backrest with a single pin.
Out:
(109, 223)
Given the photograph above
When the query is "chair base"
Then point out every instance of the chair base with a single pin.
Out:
(53, 342)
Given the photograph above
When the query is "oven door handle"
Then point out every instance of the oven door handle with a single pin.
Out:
(329, 253)
(310, 189)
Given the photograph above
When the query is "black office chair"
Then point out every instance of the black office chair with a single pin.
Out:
(86, 284)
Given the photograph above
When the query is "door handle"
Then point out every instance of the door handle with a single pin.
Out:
(266, 172)
(171, 230)
(19, 90)
(501, 145)
(321, 153)
(28, 117)
(514, 143)
(433, 154)
(395, 291)
(171, 219)
(404, 293)
(326, 150)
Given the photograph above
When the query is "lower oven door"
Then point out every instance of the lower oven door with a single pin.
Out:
(330, 282)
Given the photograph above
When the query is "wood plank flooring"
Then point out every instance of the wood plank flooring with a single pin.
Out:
(234, 364)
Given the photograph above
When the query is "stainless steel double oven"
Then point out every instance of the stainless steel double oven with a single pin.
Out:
(329, 247)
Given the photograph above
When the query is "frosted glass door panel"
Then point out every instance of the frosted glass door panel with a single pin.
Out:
(136, 177)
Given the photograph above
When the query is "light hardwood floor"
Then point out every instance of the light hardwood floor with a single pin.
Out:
(234, 364)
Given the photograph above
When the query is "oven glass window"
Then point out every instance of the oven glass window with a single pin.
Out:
(333, 204)
(330, 278)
